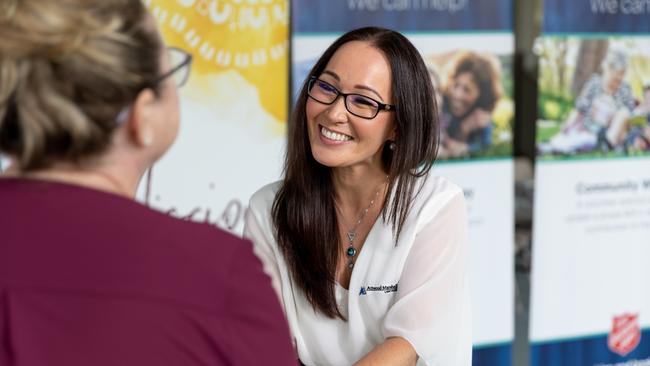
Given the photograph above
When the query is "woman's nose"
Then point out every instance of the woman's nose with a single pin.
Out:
(336, 112)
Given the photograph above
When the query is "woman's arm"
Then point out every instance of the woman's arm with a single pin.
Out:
(393, 352)
(432, 305)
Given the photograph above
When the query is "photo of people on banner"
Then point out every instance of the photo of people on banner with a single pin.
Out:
(474, 98)
(594, 97)
(475, 108)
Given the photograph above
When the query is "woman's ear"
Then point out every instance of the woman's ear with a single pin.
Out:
(392, 136)
(140, 123)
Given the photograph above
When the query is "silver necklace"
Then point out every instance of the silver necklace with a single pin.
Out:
(351, 252)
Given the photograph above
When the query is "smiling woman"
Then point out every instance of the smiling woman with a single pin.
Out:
(339, 140)
(359, 210)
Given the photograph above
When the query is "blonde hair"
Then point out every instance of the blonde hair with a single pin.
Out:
(67, 68)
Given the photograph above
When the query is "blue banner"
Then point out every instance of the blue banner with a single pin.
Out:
(596, 16)
(405, 15)
(492, 355)
(589, 351)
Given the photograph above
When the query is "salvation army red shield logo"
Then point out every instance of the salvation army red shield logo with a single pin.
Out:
(625, 334)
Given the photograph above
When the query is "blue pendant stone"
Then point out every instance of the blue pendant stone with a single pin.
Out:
(351, 252)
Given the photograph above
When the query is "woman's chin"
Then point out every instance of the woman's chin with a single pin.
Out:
(330, 156)
(329, 161)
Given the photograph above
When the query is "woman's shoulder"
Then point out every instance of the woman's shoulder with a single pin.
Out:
(262, 199)
(435, 194)
(434, 185)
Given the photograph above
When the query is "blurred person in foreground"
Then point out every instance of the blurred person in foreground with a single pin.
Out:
(88, 101)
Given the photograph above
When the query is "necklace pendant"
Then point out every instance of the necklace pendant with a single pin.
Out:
(350, 265)
(351, 236)
(351, 252)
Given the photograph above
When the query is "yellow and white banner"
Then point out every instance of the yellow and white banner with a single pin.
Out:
(233, 109)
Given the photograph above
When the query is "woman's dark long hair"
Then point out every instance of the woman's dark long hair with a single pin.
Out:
(304, 213)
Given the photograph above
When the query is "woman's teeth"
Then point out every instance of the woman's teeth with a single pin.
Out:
(334, 135)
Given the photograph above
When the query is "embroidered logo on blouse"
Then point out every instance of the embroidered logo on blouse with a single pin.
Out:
(382, 288)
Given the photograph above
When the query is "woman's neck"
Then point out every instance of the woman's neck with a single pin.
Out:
(354, 187)
(102, 178)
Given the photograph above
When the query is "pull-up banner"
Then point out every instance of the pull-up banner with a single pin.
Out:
(233, 108)
(451, 34)
(590, 295)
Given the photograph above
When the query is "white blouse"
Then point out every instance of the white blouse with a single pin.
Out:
(417, 289)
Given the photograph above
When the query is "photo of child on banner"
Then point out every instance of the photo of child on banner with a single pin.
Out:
(605, 108)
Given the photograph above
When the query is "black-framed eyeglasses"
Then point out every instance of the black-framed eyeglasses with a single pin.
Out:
(181, 62)
(357, 104)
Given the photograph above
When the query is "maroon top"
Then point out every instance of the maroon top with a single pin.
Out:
(91, 278)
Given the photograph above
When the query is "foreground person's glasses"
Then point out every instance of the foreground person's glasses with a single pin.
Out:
(180, 62)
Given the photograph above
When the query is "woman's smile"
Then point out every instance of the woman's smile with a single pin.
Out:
(328, 136)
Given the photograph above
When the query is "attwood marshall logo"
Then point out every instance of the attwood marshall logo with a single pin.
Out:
(625, 334)
(382, 288)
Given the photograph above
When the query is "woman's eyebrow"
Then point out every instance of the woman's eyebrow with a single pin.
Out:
(369, 89)
(358, 86)
(332, 74)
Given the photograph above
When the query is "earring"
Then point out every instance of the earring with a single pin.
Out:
(147, 140)
(392, 146)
